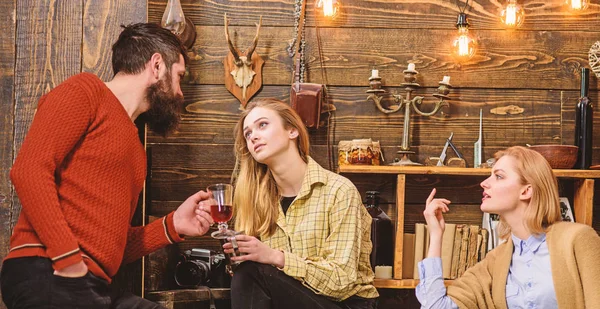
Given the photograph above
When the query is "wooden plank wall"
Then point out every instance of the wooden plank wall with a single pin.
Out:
(42, 43)
(7, 94)
(535, 68)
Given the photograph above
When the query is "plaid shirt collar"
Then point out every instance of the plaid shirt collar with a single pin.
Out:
(314, 174)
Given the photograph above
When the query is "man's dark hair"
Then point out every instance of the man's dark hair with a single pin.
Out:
(138, 42)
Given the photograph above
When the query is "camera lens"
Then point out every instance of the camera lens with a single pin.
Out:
(192, 273)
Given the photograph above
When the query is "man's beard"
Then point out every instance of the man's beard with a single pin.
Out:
(165, 107)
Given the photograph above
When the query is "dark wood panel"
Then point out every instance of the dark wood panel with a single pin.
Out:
(457, 189)
(48, 51)
(422, 14)
(459, 214)
(211, 114)
(522, 59)
(7, 99)
(384, 184)
(568, 103)
(179, 171)
(102, 26)
(397, 298)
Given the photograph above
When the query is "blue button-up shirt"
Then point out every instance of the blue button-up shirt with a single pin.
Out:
(529, 283)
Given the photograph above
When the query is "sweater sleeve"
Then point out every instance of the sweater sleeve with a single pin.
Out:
(143, 240)
(474, 288)
(587, 251)
(62, 119)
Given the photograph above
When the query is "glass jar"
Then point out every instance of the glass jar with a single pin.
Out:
(359, 151)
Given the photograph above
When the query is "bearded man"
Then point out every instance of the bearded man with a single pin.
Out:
(79, 174)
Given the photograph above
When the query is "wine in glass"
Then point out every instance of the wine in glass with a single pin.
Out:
(221, 209)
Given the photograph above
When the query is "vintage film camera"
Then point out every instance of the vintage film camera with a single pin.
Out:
(202, 267)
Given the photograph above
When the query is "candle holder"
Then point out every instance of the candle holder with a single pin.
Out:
(376, 93)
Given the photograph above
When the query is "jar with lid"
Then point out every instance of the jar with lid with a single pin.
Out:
(359, 151)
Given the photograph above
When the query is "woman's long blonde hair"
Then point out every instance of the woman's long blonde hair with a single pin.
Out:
(544, 206)
(256, 195)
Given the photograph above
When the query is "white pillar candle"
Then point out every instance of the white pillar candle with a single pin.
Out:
(383, 272)
(374, 73)
(446, 80)
(411, 66)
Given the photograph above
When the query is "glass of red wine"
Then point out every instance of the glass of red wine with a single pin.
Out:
(221, 209)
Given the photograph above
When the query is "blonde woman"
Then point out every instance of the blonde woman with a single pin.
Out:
(544, 263)
(307, 241)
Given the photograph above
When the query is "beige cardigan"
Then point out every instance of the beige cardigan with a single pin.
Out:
(574, 258)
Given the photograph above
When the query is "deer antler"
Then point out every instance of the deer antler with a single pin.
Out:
(250, 50)
(236, 57)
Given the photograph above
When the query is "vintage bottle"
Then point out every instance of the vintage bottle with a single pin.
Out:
(382, 232)
(583, 123)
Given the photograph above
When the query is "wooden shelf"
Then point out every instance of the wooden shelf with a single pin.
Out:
(459, 171)
(583, 198)
(401, 283)
(193, 294)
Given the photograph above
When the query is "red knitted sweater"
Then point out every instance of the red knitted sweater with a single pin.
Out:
(78, 175)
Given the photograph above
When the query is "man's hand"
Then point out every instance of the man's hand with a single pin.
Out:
(255, 250)
(192, 217)
(73, 271)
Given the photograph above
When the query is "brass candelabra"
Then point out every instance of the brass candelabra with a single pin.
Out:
(376, 93)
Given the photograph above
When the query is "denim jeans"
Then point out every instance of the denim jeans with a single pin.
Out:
(29, 282)
(260, 286)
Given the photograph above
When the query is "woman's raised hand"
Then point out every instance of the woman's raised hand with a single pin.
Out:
(434, 207)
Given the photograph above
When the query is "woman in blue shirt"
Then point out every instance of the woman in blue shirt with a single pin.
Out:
(544, 262)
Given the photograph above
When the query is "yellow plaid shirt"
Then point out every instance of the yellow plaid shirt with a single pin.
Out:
(325, 237)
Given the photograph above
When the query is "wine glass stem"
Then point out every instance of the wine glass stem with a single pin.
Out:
(222, 226)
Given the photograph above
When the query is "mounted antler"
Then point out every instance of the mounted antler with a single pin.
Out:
(232, 49)
(250, 50)
(240, 67)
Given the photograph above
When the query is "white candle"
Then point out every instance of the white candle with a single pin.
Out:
(374, 73)
(411, 66)
(446, 80)
(383, 272)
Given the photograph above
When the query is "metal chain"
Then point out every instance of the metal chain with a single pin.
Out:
(302, 59)
(291, 47)
(297, 7)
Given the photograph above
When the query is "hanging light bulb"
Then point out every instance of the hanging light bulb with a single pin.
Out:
(464, 46)
(512, 15)
(173, 18)
(577, 5)
(330, 8)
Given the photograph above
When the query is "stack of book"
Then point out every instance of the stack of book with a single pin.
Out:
(462, 247)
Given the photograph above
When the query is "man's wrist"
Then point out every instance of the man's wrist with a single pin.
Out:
(176, 223)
